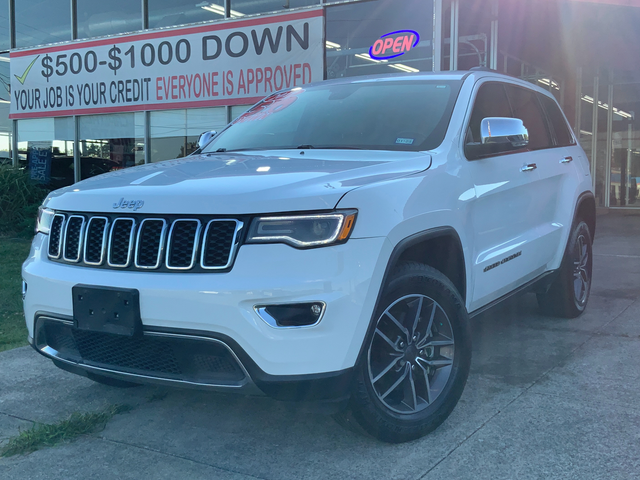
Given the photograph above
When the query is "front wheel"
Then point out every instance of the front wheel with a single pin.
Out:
(568, 294)
(417, 358)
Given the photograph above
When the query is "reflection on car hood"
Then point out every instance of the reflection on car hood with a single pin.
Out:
(240, 183)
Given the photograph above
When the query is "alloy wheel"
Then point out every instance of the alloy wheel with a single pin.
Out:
(410, 357)
(581, 273)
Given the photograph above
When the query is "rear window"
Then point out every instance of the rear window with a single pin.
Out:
(381, 115)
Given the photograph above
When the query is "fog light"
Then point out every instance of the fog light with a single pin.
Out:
(24, 289)
(291, 315)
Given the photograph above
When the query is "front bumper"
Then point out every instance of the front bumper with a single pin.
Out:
(178, 358)
(221, 305)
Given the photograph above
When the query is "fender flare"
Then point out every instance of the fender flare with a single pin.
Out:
(582, 198)
(402, 246)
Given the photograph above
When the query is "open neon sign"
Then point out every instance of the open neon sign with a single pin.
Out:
(388, 46)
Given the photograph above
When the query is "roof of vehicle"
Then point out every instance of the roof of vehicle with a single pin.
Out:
(475, 74)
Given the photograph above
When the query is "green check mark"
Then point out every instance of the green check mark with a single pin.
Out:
(23, 77)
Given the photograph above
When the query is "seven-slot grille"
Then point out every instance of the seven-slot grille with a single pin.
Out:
(144, 243)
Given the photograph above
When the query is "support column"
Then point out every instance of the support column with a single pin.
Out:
(76, 149)
(493, 61)
(454, 41)
(594, 127)
(14, 143)
(577, 123)
(147, 137)
(607, 186)
(437, 35)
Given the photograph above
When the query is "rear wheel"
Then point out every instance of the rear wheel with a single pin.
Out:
(569, 293)
(417, 359)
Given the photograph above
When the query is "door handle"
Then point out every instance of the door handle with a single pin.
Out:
(529, 167)
(566, 160)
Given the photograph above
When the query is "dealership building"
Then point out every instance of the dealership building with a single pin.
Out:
(90, 87)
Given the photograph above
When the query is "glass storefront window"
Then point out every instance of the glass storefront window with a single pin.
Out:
(600, 130)
(238, 110)
(251, 7)
(96, 19)
(352, 29)
(5, 31)
(474, 30)
(42, 21)
(166, 13)
(625, 157)
(110, 142)
(45, 148)
(175, 133)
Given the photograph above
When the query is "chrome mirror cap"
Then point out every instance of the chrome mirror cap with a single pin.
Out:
(205, 138)
(502, 130)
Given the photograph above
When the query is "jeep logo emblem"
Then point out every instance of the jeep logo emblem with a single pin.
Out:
(130, 204)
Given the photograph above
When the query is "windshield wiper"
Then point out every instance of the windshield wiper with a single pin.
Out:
(327, 147)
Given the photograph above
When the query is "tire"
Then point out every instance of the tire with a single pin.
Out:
(111, 382)
(568, 295)
(411, 410)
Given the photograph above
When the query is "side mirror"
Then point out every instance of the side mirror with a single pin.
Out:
(498, 135)
(510, 131)
(205, 138)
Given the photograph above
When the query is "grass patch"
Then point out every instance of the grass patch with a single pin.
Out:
(13, 331)
(47, 435)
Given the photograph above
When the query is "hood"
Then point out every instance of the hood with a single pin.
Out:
(238, 183)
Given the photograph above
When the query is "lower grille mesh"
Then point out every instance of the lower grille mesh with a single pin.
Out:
(173, 358)
(147, 354)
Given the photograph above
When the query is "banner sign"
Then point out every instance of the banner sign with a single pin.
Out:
(227, 63)
(39, 159)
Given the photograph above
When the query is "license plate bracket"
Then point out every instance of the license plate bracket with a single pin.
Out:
(107, 310)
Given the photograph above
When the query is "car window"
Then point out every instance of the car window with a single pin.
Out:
(526, 107)
(390, 115)
(491, 101)
(558, 123)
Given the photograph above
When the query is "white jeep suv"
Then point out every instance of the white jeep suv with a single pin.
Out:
(331, 244)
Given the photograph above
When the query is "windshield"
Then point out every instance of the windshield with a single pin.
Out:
(389, 115)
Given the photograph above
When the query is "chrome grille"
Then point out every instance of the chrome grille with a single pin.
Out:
(96, 239)
(136, 242)
(73, 232)
(181, 250)
(55, 236)
(220, 239)
(149, 243)
(120, 242)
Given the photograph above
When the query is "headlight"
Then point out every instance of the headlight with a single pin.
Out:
(45, 217)
(303, 231)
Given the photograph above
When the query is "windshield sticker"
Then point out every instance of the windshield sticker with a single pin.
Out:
(390, 46)
(273, 104)
(404, 141)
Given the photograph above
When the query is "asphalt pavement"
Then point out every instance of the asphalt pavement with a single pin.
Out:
(546, 398)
